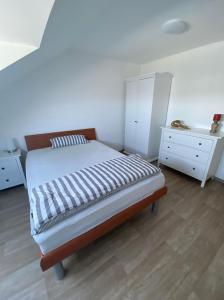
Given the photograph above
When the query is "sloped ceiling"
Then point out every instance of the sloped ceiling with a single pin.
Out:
(128, 30)
(22, 25)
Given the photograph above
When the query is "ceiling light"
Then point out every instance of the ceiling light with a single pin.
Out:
(175, 26)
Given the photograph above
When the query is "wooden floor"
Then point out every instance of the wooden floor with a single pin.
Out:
(178, 254)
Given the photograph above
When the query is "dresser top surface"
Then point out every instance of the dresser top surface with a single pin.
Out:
(197, 131)
(6, 154)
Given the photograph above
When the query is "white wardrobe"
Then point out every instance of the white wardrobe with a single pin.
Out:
(147, 99)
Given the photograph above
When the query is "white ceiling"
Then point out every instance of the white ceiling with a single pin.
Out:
(123, 29)
(131, 29)
(22, 24)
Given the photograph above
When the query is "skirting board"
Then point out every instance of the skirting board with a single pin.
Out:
(219, 179)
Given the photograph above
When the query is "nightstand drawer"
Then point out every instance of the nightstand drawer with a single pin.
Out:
(186, 166)
(10, 179)
(8, 165)
(11, 172)
(185, 152)
(187, 140)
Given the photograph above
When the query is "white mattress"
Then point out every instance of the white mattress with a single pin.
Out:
(46, 164)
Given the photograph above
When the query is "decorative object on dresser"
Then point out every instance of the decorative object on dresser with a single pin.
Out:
(195, 152)
(147, 98)
(179, 124)
(215, 124)
(11, 172)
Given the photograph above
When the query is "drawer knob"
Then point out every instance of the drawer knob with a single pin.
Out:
(166, 158)
(3, 168)
(193, 168)
(197, 155)
(170, 137)
(199, 144)
(168, 147)
(7, 180)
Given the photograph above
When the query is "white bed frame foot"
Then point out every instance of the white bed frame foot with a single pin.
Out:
(59, 271)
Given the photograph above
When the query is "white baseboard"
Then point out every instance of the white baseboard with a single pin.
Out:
(219, 179)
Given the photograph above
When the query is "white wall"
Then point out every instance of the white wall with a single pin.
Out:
(73, 91)
(77, 90)
(198, 86)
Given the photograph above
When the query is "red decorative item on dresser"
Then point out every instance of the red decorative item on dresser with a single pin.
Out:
(217, 117)
(215, 124)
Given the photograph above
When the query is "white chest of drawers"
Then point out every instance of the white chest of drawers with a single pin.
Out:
(194, 152)
(11, 172)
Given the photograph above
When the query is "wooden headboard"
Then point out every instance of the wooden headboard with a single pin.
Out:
(38, 141)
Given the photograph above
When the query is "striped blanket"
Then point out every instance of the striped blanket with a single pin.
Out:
(62, 197)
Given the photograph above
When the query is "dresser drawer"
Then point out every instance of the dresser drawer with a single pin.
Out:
(186, 152)
(186, 166)
(187, 140)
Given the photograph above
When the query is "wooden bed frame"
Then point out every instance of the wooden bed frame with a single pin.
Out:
(55, 257)
(38, 141)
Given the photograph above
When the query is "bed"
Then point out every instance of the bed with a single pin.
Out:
(73, 233)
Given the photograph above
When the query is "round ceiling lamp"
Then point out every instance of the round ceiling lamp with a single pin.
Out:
(175, 26)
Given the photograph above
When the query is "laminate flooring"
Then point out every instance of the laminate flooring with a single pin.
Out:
(177, 254)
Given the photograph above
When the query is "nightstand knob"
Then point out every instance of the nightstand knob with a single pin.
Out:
(7, 180)
(3, 168)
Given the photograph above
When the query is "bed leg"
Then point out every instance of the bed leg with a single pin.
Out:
(155, 207)
(59, 271)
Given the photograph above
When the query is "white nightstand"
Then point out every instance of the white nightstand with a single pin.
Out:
(11, 172)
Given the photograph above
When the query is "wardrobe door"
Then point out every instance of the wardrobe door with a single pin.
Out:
(130, 115)
(144, 110)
